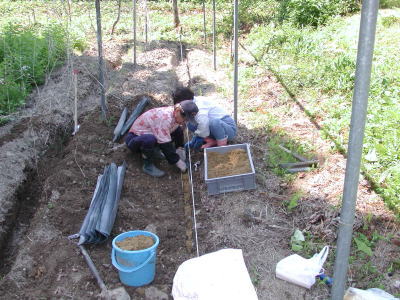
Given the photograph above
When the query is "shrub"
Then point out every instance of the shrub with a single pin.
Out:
(386, 22)
(389, 3)
(314, 12)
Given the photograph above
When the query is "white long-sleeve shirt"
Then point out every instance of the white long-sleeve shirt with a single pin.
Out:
(208, 110)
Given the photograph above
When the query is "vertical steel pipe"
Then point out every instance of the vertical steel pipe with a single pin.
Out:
(101, 61)
(180, 43)
(134, 32)
(365, 50)
(214, 38)
(204, 23)
(146, 22)
(235, 76)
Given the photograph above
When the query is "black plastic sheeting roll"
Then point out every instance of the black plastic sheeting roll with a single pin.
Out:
(121, 122)
(135, 114)
(98, 223)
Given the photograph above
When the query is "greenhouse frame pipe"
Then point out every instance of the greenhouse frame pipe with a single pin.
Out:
(101, 61)
(369, 13)
(180, 43)
(146, 28)
(204, 23)
(121, 122)
(214, 39)
(93, 268)
(134, 32)
(235, 76)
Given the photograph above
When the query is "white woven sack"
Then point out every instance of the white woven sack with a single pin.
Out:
(221, 275)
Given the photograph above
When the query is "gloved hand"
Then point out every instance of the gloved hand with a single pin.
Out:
(195, 143)
(182, 153)
(191, 127)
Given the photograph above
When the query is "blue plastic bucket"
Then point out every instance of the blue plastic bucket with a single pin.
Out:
(135, 268)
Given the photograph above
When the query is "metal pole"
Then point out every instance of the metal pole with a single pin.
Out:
(101, 62)
(76, 126)
(134, 32)
(204, 23)
(146, 21)
(214, 39)
(365, 50)
(180, 42)
(93, 268)
(235, 77)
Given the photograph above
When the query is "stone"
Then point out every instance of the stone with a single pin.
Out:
(153, 293)
(115, 294)
(151, 228)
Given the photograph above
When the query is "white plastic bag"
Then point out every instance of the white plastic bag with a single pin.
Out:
(221, 275)
(370, 294)
(301, 271)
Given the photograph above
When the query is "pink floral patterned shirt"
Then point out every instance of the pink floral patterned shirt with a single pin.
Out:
(159, 122)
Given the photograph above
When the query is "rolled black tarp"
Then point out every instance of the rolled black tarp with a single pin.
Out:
(121, 122)
(109, 211)
(100, 218)
(135, 114)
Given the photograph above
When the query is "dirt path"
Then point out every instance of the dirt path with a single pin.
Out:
(39, 261)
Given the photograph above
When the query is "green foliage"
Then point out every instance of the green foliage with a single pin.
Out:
(297, 241)
(318, 67)
(388, 21)
(4, 120)
(389, 3)
(363, 244)
(342, 70)
(314, 12)
(294, 200)
(28, 53)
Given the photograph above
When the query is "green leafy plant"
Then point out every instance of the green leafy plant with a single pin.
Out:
(294, 200)
(389, 3)
(297, 241)
(314, 12)
(363, 244)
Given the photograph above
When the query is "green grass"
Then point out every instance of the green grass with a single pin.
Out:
(27, 54)
(318, 67)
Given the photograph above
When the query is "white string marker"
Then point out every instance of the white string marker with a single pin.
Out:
(191, 185)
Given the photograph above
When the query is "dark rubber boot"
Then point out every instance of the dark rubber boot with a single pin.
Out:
(150, 169)
(157, 154)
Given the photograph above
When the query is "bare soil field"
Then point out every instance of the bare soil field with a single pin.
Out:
(48, 179)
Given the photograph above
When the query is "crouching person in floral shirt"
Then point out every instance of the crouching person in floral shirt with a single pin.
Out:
(161, 128)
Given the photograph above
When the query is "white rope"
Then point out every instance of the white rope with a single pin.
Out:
(191, 186)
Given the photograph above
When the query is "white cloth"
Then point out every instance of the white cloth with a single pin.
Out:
(221, 275)
(208, 109)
